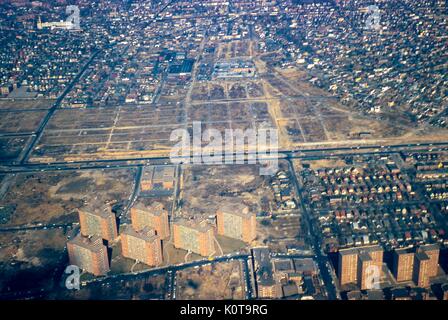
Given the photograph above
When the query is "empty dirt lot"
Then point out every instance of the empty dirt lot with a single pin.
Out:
(217, 281)
(54, 197)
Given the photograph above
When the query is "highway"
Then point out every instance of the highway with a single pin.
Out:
(165, 160)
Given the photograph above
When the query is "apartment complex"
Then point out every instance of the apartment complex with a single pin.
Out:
(100, 222)
(360, 266)
(195, 236)
(144, 246)
(154, 216)
(89, 254)
(348, 266)
(234, 220)
(417, 265)
(426, 264)
(403, 266)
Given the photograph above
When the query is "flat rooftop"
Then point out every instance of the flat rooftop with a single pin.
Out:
(237, 209)
(98, 210)
(147, 234)
(155, 208)
(92, 243)
(198, 225)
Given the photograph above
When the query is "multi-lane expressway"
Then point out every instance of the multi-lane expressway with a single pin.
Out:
(317, 153)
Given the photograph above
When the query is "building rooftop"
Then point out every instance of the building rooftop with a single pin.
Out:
(98, 210)
(305, 265)
(363, 252)
(199, 225)
(237, 209)
(430, 247)
(421, 256)
(155, 208)
(290, 290)
(354, 295)
(373, 248)
(92, 243)
(283, 265)
(364, 256)
(147, 234)
(348, 251)
(401, 251)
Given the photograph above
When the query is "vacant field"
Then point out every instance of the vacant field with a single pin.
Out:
(234, 49)
(277, 99)
(232, 113)
(322, 163)
(28, 259)
(25, 104)
(227, 90)
(280, 232)
(51, 197)
(230, 245)
(133, 132)
(11, 147)
(216, 282)
(108, 133)
(142, 288)
(204, 188)
(20, 121)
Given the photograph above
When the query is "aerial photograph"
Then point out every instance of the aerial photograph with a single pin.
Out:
(236, 150)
